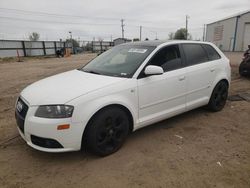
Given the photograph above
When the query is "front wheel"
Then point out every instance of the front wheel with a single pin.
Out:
(107, 131)
(219, 97)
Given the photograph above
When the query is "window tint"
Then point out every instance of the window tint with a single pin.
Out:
(194, 53)
(212, 53)
(168, 58)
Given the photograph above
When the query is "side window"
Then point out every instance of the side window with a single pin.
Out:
(194, 53)
(212, 53)
(168, 58)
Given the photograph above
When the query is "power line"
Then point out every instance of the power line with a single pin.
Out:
(69, 15)
(57, 15)
(54, 22)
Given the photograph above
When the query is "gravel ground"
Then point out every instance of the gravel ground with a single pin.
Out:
(195, 149)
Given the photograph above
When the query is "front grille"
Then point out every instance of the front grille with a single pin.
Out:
(45, 142)
(20, 113)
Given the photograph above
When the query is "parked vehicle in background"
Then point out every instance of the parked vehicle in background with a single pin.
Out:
(244, 68)
(123, 89)
(60, 52)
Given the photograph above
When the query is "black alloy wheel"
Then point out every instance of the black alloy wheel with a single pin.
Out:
(219, 97)
(107, 131)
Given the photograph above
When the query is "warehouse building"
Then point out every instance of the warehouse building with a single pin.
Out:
(231, 33)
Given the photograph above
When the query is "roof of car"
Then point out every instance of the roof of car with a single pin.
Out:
(156, 43)
(150, 42)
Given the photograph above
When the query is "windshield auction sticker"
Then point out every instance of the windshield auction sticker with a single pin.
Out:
(137, 50)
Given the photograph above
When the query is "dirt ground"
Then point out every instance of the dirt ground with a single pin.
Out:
(195, 149)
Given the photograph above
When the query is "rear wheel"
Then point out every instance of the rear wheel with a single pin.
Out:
(219, 97)
(107, 131)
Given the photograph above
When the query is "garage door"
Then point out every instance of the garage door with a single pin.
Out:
(246, 39)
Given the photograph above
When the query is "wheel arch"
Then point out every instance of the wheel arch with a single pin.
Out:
(221, 79)
(124, 108)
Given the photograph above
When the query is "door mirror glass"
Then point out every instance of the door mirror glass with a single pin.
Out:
(153, 70)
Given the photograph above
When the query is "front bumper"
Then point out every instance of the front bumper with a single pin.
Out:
(42, 133)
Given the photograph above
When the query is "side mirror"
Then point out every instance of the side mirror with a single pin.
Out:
(153, 70)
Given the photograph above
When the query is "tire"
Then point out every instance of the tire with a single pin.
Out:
(219, 97)
(242, 70)
(107, 131)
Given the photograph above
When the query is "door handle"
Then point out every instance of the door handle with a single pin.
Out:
(182, 78)
(212, 70)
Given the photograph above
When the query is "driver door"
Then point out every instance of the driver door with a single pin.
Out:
(162, 96)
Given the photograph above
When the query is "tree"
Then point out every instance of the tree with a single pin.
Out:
(74, 42)
(34, 36)
(171, 36)
(181, 34)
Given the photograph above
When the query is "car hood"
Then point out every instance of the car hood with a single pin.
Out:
(66, 86)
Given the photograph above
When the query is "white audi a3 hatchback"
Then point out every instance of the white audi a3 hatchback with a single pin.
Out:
(128, 87)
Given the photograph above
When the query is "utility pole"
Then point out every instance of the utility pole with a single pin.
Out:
(140, 32)
(204, 32)
(122, 25)
(187, 17)
(70, 32)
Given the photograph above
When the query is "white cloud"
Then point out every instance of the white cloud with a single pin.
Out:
(94, 18)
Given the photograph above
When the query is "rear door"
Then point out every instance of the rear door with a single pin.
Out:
(200, 75)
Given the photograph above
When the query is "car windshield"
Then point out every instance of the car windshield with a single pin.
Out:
(120, 61)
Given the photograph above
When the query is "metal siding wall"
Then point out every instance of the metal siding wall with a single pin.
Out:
(9, 48)
(246, 38)
(245, 18)
(50, 51)
(59, 45)
(49, 44)
(10, 53)
(226, 42)
(10, 44)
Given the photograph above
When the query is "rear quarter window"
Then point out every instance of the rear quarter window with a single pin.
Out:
(194, 54)
(212, 53)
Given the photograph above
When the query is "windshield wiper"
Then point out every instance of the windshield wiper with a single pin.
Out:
(90, 71)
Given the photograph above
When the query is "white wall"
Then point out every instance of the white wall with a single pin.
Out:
(243, 20)
(227, 41)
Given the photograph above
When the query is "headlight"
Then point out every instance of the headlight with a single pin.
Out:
(54, 111)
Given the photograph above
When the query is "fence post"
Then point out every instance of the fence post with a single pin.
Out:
(55, 46)
(24, 50)
(44, 50)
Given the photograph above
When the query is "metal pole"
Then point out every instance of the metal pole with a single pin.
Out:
(204, 32)
(140, 32)
(72, 47)
(122, 25)
(235, 32)
(24, 49)
(186, 27)
(44, 49)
